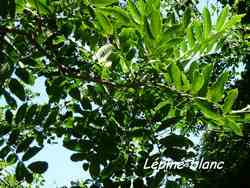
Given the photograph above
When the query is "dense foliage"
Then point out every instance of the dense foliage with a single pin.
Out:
(126, 81)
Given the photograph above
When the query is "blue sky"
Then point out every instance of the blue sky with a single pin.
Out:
(61, 170)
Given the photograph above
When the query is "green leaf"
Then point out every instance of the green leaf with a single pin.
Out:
(198, 27)
(190, 36)
(235, 127)
(205, 108)
(20, 113)
(198, 81)
(59, 39)
(103, 2)
(135, 13)
(207, 25)
(105, 23)
(25, 76)
(31, 152)
(233, 21)
(229, 101)
(207, 72)
(187, 17)
(185, 82)
(176, 76)
(17, 89)
(118, 13)
(222, 18)
(216, 91)
(38, 167)
(148, 30)
(124, 66)
(156, 23)
(20, 5)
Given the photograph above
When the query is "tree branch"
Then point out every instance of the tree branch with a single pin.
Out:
(242, 111)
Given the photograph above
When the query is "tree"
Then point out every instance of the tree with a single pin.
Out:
(226, 147)
(122, 80)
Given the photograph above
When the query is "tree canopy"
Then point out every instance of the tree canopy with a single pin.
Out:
(126, 81)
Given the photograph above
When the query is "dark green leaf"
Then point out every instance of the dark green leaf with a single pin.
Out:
(75, 93)
(4, 129)
(30, 114)
(10, 100)
(21, 113)
(17, 89)
(24, 144)
(8, 116)
(77, 157)
(25, 76)
(42, 113)
(38, 167)
(85, 103)
(85, 166)
(176, 140)
(12, 158)
(31, 152)
(22, 172)
(4, 152)
(94, 169)
(187, 17)
(73, 145)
